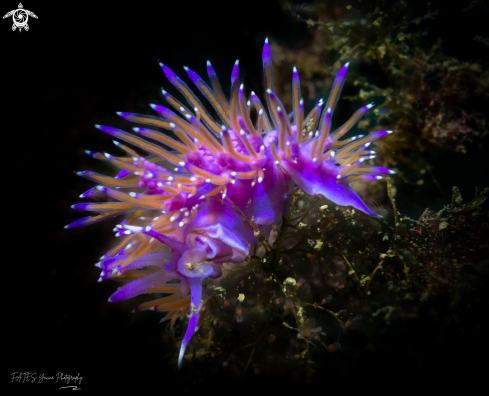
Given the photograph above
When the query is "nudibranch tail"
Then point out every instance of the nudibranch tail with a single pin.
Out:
(196, 293)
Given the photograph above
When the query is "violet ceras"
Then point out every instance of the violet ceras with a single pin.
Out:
(229, 186)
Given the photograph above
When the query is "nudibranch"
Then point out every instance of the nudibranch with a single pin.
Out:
(207, 190)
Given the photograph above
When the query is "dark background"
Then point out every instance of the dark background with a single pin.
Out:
(78, 64)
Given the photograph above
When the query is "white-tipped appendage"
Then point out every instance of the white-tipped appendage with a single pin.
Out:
(132, 228)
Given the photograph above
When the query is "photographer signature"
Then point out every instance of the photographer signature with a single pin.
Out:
(32, 377)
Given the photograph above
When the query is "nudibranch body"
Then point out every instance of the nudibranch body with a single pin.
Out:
(229, 184)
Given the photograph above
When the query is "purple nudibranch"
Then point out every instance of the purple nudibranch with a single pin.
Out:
(182, 224)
